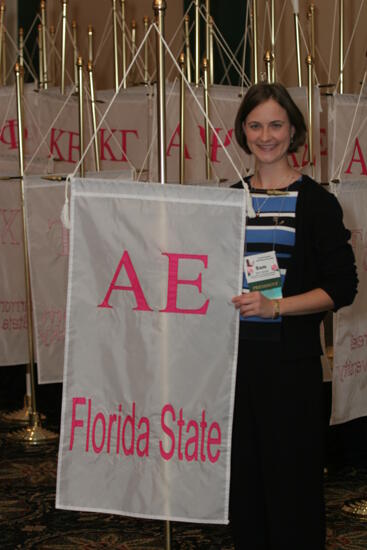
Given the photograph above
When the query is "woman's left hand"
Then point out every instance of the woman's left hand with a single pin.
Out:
(254, 303)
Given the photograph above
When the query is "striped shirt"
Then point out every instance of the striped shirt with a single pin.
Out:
(273, 228)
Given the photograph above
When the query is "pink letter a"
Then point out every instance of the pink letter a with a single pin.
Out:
(141, 303)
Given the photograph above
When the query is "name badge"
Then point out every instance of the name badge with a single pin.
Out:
(263, 274)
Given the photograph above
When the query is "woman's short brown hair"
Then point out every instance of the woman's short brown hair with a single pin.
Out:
(259, 93)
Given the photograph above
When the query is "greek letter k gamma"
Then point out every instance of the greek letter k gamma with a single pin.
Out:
(172, 284)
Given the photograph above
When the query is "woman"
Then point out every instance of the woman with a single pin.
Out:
(277, 451)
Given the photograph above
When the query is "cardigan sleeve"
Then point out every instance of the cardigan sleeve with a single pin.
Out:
(334, 255)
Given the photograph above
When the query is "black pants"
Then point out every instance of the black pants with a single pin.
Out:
(277, 452)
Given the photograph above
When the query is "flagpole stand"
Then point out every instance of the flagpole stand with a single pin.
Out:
(33, 434)
(20, 416)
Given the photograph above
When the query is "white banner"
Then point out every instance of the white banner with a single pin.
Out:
(347, 137)
(48, 244)
(150, 352)
(13, 307)
(350, 332)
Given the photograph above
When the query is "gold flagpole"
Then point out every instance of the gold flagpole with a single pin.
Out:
(52, 55)
(34, 433)
(211, 51)
(197, 43)
(44, 44)
(272, 40)
(159, 7)
(40, 58)
(182, 120)
(2, 31)
(298, 45)
(311, 16)
(74, 29)
(123, 38)
(63, 45)
(133, 46)
(94, 116)
(81, 116)
(115, 48)
(207, 129)
(207, 30)
(146, 51)
(309, 63)
(254, 40)
(187, 48)
(4, 57)
(341, 46)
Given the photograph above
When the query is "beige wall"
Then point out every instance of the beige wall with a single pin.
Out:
(98, 13)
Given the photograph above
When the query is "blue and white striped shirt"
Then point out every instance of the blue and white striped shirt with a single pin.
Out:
(273, 228)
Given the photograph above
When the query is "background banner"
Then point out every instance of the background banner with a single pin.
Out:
(150, 351)
(350, 326)
(13, 306)
(48, 244)
(347, 137)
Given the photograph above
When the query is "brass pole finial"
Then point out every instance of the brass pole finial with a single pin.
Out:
(187, 47)
(267, 60)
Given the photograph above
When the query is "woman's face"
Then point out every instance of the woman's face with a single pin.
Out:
(268, 132)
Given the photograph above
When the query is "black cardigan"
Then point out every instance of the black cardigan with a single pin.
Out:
(322, 258)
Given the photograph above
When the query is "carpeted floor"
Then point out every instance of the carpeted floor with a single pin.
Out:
(28, 519)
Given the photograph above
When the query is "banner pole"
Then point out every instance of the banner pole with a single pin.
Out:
(81, 117)
(311, 15)
(182, 119)
(123, 38)
(94, 116)
(133, 48)
(254, 40)
(298, 45)
(2, 16)
(115, 50)
(207, 129)
(309, 64)
(63, 46)
(341, 46)
(146, 51)
(40, 58)
(52, 55)
(207, 29)
(211, 52)
(44, 44)
(159, 7)
(34, 433)
(187, 47)
(197, 44)
(74, 28)
(272, 50)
